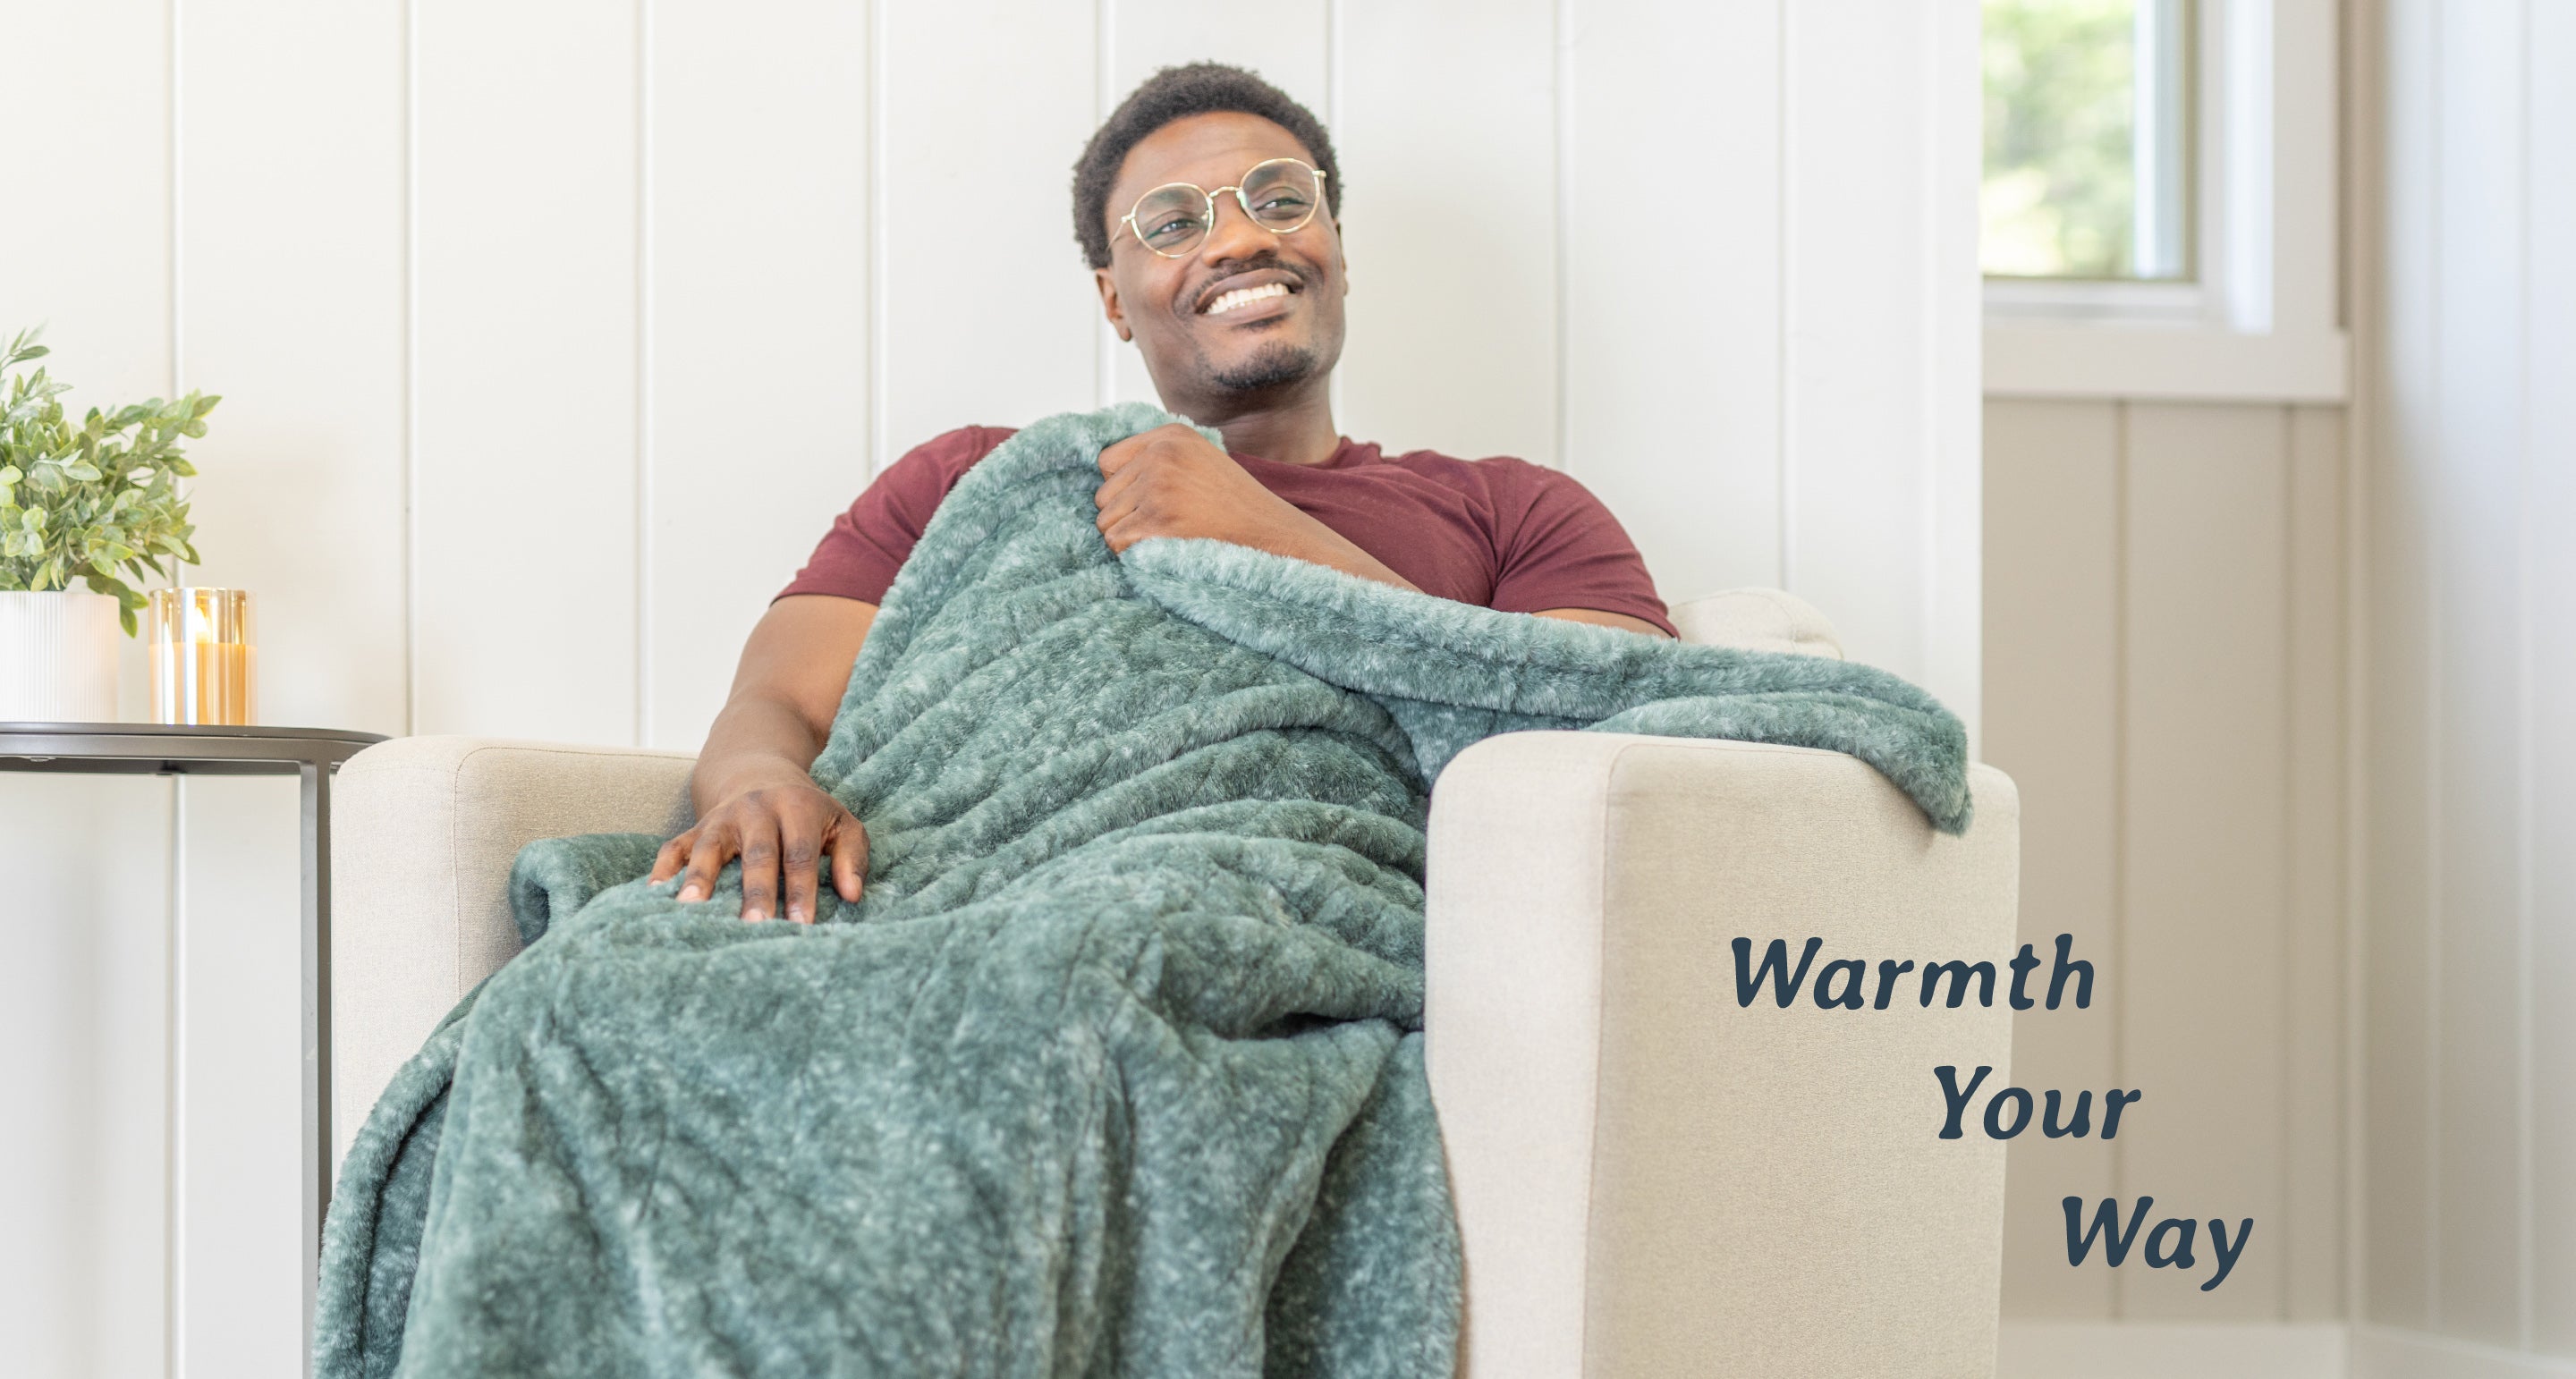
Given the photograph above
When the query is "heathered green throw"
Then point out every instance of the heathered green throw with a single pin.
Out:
(1116, 1067)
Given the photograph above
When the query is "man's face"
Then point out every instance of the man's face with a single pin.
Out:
(1210, 365)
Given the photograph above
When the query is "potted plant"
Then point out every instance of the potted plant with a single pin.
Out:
(92, 501)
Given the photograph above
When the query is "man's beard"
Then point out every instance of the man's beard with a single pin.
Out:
(1274, 365)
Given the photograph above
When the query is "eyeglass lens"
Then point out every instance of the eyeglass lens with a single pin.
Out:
(1280, 195)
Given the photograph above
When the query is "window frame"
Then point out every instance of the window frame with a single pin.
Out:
(2260, 322)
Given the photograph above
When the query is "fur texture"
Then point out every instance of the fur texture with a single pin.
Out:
(1116, 1067)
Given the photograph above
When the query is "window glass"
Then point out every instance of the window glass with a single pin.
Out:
(2086, 129)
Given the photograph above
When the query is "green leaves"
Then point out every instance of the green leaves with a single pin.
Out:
(95, 500)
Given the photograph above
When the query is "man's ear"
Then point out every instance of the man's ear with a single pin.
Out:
(1109, 303)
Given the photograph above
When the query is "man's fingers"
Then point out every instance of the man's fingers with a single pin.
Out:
(707, 856)
(802, 854)
(1116, 456)
(760, 872)
(673, 856)
(848, 840)
(1114, 485)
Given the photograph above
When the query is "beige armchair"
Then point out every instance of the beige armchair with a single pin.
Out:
(1651, 1179)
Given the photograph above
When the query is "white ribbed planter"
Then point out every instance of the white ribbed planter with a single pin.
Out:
(57, 658)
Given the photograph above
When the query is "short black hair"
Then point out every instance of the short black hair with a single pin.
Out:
(1176, 93)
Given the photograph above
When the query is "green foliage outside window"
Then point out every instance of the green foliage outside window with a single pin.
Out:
(2060, 195)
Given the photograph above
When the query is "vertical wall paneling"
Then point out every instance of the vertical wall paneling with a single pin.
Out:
(2402, 961)
(1949, 450)
(526, 400)
(83, 1013)
(2549, 581)
(2203, 871)
(987, 315)
(2472, 1120)
(1450, 230)
(756, 324)
(1285, 43)
(2477, 644)
(2052, 713)
(291, 304)
(291, 298)
(2311, 1232)
(84, 1017)
(1871, 348)
(1672, 296)
(241, 1092)
(2165, 676)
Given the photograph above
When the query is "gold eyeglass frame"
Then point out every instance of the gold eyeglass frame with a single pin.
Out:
(1128, 221)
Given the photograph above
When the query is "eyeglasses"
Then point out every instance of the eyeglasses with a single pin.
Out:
(1279, 195)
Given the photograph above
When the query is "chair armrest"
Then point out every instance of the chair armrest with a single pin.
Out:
(1652, 1179)
(423, 830)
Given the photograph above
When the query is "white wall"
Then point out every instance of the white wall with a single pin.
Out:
(552, 336)
(2468, 1219)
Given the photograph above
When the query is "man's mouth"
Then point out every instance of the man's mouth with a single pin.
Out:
(1238, 291)
(1245, 296)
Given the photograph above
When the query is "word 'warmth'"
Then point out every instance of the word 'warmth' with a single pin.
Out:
(1844, 981)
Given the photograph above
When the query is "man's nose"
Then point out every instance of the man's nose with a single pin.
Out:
(1234, 235)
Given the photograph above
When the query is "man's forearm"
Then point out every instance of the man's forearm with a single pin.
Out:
(755, 741)
(1322, 545)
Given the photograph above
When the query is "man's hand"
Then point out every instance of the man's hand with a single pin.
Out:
(789, 823)
(1171, 482)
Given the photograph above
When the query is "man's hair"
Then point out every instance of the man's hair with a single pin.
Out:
(1176, 93)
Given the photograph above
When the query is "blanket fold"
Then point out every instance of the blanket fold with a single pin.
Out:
(1114, 1069)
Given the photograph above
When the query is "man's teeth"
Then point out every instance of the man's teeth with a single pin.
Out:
(1246, 296)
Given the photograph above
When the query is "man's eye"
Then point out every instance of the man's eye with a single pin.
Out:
(1283, 202)
(1172, 227)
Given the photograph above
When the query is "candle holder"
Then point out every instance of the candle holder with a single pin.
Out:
(203, 657)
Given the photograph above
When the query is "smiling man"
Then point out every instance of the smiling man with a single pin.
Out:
(1209, 209)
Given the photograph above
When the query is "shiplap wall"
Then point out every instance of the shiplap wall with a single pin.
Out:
(2469, 1215)
(551, 337)
(2165, 678)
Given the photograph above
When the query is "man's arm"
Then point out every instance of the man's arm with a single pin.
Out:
(1597, 618)
(754, 795)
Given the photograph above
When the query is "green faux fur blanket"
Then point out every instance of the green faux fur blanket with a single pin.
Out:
(1116, 1069)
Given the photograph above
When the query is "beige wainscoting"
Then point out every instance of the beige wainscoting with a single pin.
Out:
(2164, 677)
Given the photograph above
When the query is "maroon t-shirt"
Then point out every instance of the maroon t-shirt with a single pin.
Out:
(1498, 533)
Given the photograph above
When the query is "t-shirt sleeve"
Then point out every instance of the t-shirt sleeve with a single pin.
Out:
(858, 557)
(1559, 547)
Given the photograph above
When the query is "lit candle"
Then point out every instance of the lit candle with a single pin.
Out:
(202, 656)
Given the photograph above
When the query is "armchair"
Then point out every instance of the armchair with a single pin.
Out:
(1651, 1179)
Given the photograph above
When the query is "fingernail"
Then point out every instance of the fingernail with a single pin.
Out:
(689, 892)
(753, 916)
(797, 913)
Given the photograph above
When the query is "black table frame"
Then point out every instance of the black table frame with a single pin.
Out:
(309, 754)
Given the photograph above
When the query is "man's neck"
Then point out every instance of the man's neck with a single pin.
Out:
(1300, 431)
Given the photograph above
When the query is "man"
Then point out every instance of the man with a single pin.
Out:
(1208, 208)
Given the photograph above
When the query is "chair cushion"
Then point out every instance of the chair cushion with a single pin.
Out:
(1757, 620)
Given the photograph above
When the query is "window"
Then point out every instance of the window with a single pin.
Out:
(2087, 116)
(2158, 210)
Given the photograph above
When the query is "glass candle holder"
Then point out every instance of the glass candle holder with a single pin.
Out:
(204, 660)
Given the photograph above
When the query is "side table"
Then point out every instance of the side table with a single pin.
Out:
(311, 755)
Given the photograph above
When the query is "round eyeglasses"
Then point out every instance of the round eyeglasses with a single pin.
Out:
(1279, 195)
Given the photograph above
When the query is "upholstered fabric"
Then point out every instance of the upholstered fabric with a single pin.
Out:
(1758, 620)
(422, 833)
(1650, 1178)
